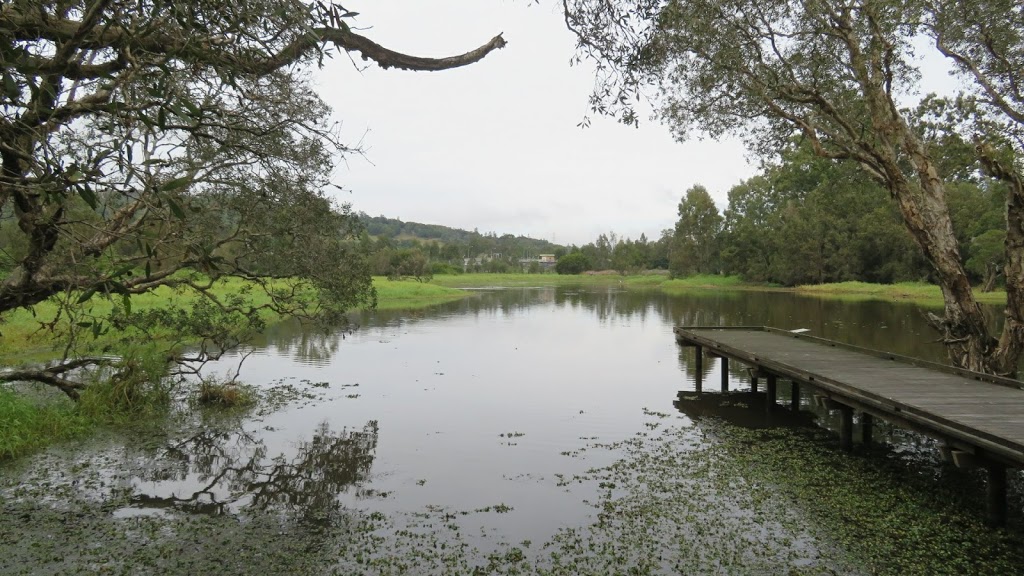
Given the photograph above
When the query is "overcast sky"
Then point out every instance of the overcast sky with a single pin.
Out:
(495, 145)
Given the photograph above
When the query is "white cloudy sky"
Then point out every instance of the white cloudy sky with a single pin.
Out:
(495, 145)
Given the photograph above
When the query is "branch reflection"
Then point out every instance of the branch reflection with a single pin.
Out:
(218, 472)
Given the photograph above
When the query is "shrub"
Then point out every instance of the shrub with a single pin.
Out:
(444, 268)
(575, 263)
(226, 394)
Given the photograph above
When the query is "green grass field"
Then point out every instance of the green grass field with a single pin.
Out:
(912, 291)
(908, 291)
(512, 280)
(22, 339)
(392, 295)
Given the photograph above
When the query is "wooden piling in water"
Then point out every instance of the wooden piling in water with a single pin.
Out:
(771, 392)
(698, 366)
(846, 428)
(725, 373)
(996, 494)
(867, 423)
(978, 417)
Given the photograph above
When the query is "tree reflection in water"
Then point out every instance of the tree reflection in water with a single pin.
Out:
(228, 471)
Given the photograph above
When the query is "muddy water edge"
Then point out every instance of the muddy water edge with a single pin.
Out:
(518, 431)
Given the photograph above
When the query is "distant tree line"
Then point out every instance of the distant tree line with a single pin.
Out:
(410, 249)
(807, 220)
(612, 252)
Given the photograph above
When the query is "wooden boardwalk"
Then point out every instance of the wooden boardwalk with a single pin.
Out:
(979, 418)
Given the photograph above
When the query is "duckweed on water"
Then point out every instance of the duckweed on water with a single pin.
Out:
(689, 499)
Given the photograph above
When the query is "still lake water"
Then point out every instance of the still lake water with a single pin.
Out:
(487, 416)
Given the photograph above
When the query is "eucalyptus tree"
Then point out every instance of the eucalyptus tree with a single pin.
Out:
(149, 143)
(837, 74)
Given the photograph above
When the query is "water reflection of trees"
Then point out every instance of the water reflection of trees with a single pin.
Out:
(893, 326)
(688, 365)
(221, 471)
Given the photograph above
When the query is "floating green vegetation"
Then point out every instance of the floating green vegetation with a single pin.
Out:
(893, 518)
(704, 498)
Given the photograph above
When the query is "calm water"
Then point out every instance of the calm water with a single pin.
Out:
(484, 414)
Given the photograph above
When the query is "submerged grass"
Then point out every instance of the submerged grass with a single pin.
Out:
(33, 417)
(224, 395)
(27, 424)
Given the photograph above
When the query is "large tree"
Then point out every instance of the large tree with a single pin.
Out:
(149, 143)
(838, 75)
(695, 244)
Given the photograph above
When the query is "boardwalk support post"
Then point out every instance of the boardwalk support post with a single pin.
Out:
(996, 488)
(725, 374)
(699, 367)
(846, 428)
(867, 422)
(794, 396)
(770, 393)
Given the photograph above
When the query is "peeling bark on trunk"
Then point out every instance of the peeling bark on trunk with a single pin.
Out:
(962, 328)
(1011, 341)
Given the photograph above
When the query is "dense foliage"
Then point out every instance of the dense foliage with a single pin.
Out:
(842, 77)
(574, 263)
(173, 143)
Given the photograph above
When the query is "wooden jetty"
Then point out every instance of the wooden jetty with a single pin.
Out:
(978, 417)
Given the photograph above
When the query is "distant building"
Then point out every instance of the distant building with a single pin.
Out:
(547, 259)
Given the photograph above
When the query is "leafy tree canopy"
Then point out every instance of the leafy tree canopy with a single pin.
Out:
(174, 143)
(838, 75)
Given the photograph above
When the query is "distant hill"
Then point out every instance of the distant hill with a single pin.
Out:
(412, 232)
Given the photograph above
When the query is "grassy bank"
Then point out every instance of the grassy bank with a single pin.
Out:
(22, 340)
(912, 291)
(27, 424)
(525, 280)
(32, 417)
(393, 295)
(903, 291)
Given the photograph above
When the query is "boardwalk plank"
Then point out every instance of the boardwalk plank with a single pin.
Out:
(985, 414)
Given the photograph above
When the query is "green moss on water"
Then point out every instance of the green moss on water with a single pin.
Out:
(705, 498)
(892, 517)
